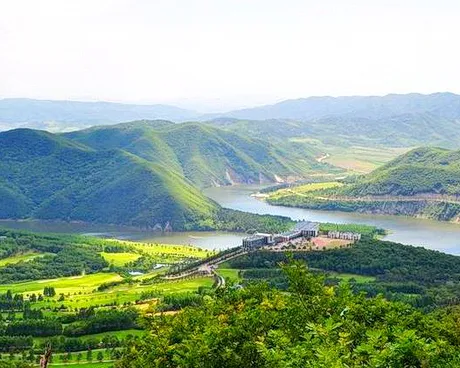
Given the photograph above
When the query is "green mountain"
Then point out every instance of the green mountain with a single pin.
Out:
(47, 176)
(433, 171)
(204, 154)
(424, 182)
(50, 177)
(403, 130)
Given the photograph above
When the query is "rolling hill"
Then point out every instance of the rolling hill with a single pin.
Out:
(421, 171)
(406, 120)
(52, 177)
(204, 154)
(424, 182)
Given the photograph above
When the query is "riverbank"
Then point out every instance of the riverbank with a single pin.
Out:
(431, 234)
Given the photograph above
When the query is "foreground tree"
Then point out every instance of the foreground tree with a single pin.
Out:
(311, 326)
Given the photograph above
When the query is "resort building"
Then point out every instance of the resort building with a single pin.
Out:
(344, 235)
(305, 229)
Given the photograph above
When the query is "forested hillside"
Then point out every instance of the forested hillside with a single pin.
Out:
(204, 154)
(423, 170)
(48, 176)
(311, 326)
(424, 182)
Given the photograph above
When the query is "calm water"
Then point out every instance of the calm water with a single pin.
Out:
(207, 239)
(430, 234)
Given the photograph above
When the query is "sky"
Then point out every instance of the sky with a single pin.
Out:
(217, 55)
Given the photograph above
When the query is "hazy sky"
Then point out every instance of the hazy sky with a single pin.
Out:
(220, 54)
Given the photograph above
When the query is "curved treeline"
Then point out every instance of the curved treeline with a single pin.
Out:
(62, 255)
(387, 261)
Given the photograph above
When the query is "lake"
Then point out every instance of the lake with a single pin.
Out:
(431, 234)
(442, 236)
(213, 240)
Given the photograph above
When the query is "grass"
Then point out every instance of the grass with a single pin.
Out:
(80, 291)
(57, 359)
(229, 273)
(25, 257)
(120, 259)
(65, 285)
(302, 190)
(161, 253)
(362, 159)
(360, 279)
(172, 250)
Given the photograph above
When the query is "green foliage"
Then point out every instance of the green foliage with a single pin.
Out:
(65, 256)
(388, 261)
(103, 320)
(54, 178)
(423, 182)
(312, 326)
(423, 170)
(204, 154)
(133, 174)
(242, 221)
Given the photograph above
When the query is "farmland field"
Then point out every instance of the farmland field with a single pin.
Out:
(120, 259)
(302, 190)
(80, 291)
(362, 159)
(65, 285)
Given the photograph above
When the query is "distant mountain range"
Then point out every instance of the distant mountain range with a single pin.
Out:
(392, 120)
(72, 115)
(444, 105)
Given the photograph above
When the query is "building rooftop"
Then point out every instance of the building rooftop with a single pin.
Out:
(254, 237)
(307, 225)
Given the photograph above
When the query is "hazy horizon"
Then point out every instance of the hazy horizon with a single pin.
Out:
(225, 55)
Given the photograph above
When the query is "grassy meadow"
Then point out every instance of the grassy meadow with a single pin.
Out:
(25, 257)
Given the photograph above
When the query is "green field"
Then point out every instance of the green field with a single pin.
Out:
(80, 291)
(362, 159)
(20, 258)
(65, 285)
(170, 251)
(119, 334)
(360, 279)
(302, 190)
(229, 273)
(120, 259)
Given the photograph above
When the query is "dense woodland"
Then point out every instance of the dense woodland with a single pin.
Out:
(418, 276)
(312, 326)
